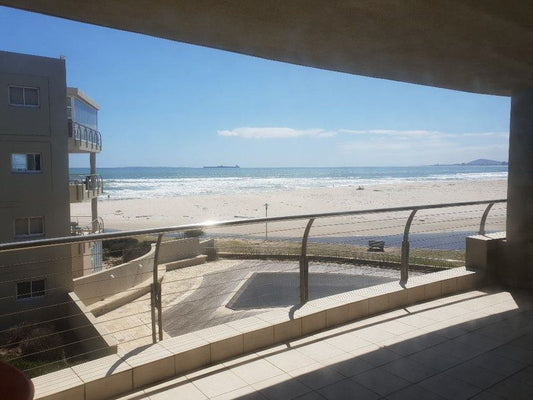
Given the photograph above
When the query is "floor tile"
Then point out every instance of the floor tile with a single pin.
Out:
(449, 387)
(349, 365)
(256, 371)
(347, 389)
(380, 356)
(519, 354)
(487, 396)
(409, 370)
(184, 390)
(435, 359)
(409, 346)
(513, 388)
(310, 396)
(244, 393)
(320, 351)
(316, 376)
(289, 360)
(475, 345)
(381, 381)
(475, 374)
(218, 383)
(498, 364)
(281, 387)
(414, 392)
(525, 375)
(347, 341)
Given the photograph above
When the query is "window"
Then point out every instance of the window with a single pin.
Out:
(23, 96)
(69, 107)
(29, 289)
(30, 162)
(85, 115)
(29, 226)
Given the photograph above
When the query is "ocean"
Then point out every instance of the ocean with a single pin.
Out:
(150, 182)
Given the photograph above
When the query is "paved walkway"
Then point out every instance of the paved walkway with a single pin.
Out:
(196, 297)
(473, 345)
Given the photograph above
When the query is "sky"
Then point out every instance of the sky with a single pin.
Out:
(166, 103)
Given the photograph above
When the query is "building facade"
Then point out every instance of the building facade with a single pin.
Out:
(84, 137)
(36, 135)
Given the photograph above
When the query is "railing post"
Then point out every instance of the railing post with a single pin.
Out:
(484, 219)
(404, 273)
(152, 312)
(155, 299)
(304, 265)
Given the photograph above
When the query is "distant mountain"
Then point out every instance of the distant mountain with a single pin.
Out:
(478, 162)
(484, 161)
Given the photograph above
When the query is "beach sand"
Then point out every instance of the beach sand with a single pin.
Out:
(159, 212)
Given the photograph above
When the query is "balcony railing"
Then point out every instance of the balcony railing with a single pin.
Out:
(417, 240)
(85, 187)
(83, 225)
(84, 138)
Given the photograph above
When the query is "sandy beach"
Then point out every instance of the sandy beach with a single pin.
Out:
(165, 211)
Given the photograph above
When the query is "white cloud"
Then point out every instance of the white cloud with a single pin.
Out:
(391, 147)
(422, 133)
(423, 147)
(275, 133)
(368, 134)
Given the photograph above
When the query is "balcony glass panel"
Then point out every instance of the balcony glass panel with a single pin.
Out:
(85, 114)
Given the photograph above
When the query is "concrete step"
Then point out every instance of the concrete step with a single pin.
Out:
(188, 262)
(118, 300)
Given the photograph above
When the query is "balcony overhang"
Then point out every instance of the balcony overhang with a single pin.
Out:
(470, 45)
(82, 139)
(85, 188)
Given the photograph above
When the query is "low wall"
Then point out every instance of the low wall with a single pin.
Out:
(173, 250)
(207, 247)
(106, 283)
(93, 339)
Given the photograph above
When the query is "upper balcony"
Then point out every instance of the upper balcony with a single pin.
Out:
(82, 139)
(85, 225)
(85, 187)
(82, 113)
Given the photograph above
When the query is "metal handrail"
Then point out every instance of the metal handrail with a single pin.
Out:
(81, 132)
(91, 181)
(484, 219)
(156, 290)
(96, 225)
(234, 222)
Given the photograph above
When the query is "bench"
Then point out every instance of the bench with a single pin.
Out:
(376, 245)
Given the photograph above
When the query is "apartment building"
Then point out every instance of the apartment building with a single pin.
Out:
(41, 121)
(84, 137)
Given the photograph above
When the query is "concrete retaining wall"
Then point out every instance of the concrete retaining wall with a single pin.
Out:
(106, 283)
(93, 339)
(180, 249)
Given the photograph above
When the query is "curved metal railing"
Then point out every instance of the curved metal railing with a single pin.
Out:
(77, 227)
(303, 263)
(81, 133)
(90, 182)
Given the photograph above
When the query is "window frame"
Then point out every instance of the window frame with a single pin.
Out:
(28, 226)
(28, 171)
(31, 295)
(38, 105)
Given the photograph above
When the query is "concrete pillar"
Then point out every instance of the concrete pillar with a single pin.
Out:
(518, 270)
(94, 200)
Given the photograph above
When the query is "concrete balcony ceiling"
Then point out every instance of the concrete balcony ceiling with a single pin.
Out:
(469, 45)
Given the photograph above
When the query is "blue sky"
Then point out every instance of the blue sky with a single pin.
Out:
(165, 103)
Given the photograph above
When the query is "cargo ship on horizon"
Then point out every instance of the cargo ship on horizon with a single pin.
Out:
(222, 166)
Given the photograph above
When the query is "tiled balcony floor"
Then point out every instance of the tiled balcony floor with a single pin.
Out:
(474, 345)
